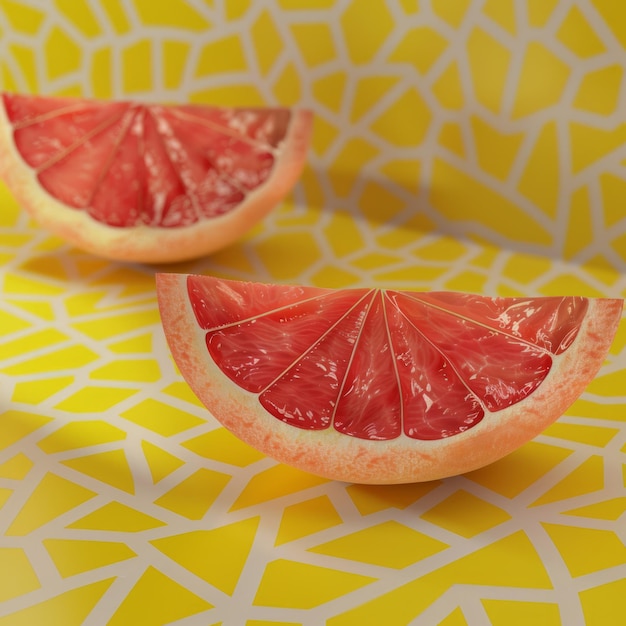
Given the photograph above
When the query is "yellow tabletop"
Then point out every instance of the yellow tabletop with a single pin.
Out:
(472, 145)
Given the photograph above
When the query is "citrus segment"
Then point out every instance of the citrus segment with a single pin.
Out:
(373, 385)
(148, 182)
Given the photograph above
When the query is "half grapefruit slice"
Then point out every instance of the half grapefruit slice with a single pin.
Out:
(382, 386)
(148, 183)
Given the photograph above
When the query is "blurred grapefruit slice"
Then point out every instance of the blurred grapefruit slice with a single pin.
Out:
(382, 386)
(145, 182)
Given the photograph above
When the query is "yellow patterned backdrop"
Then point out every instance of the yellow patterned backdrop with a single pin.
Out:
(476, 145)
(494, 120)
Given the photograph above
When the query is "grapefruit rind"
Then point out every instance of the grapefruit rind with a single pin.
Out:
(337, 456)
(146, 244)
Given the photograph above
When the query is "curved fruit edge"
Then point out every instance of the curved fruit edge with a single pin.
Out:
(330, 454)
(145, 244)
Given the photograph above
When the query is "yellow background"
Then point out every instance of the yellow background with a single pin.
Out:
(469, 144)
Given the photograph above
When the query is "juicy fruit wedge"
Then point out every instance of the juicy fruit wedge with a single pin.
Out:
(382, 386)
(148, 183)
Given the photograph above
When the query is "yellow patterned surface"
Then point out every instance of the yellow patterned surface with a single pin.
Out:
(476, 145)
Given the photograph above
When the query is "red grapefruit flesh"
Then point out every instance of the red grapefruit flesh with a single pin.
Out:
(148, 183)
(382, 386)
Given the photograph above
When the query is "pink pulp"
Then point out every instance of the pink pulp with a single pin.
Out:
(375, 364)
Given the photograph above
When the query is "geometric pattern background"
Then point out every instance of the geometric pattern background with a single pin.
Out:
(476, 145)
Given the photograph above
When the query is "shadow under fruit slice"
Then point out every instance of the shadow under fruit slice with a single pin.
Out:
(382, 386)
(146, 182)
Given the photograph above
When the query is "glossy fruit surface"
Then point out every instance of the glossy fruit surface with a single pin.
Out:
(382, 386)
(147, 182)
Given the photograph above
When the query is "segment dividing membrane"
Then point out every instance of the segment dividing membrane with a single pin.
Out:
(380, 364)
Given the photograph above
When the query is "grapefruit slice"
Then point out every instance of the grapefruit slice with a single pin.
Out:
(148, 183)
(382, 386)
